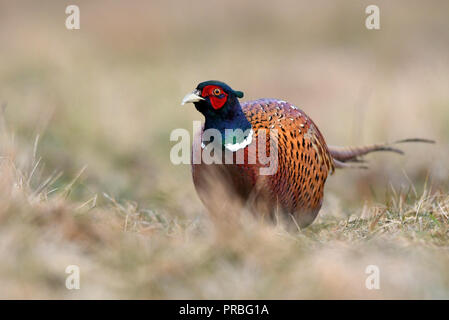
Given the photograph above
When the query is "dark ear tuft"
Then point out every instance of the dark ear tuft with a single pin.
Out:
(238, 94)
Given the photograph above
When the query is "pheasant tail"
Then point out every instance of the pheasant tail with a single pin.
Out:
(343, 155)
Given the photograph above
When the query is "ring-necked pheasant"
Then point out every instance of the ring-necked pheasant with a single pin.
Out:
(304, 160)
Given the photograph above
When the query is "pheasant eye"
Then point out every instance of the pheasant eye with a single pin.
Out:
(217, 92)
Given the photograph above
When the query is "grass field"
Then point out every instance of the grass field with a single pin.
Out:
(85, 174)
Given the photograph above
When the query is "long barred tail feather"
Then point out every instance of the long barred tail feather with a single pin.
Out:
(342, 155)
(343, 165)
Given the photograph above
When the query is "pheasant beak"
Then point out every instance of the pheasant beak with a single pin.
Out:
(192, 97)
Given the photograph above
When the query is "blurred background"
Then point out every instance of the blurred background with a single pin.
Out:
(108, 95)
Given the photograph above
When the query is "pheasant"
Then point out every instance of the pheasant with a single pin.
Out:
(302, 158)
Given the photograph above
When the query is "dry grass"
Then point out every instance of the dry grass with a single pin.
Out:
(103, 100)
(128, 252)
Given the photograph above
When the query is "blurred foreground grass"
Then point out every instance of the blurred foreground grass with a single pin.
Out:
(125, 251)
(98, 105)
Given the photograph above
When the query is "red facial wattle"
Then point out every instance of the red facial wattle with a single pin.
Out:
(216, 96)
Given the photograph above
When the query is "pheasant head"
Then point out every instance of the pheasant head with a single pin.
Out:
(220, 106)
